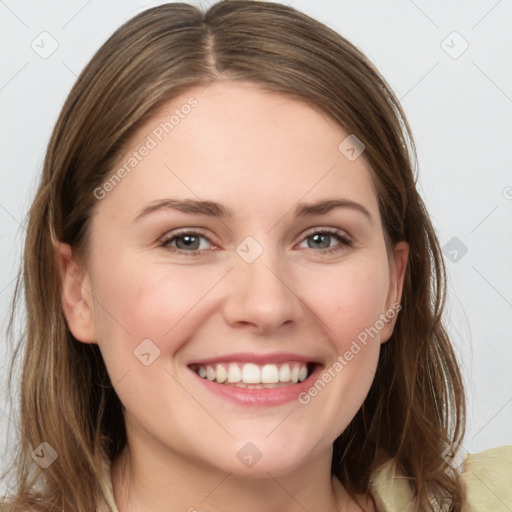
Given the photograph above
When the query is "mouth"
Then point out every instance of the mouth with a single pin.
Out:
(249, 375)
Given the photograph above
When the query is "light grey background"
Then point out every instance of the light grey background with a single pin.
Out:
(459, 104)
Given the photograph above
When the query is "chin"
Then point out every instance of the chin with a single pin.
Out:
(260, 457)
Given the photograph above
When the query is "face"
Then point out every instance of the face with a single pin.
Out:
(283, 286)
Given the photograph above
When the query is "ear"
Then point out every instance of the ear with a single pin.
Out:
(397, 266)
(76, 297)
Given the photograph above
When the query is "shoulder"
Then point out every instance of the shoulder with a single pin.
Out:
(488, 479)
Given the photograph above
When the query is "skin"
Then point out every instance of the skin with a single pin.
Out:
(258, 153)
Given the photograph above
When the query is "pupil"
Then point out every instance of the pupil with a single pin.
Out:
(189, 241)
(317, 237)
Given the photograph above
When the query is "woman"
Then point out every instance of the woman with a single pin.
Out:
(234, 291)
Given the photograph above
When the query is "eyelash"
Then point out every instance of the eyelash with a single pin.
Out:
(345, 241)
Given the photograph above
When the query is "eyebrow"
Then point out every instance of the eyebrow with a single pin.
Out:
(213, 209)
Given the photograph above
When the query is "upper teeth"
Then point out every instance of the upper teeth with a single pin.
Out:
(250, 373)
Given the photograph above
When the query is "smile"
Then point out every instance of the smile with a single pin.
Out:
(255, 376)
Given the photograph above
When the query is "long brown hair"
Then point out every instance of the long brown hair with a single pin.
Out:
(415, 407)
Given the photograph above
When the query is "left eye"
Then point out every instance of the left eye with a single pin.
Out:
(321, 239)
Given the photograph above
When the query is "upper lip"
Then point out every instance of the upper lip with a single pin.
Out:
(250, 357)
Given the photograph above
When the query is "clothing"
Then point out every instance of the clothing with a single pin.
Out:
(487, 475)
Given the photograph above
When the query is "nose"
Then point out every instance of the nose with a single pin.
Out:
(261, 296)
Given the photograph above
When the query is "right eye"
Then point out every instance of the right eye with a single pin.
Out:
(184, 242)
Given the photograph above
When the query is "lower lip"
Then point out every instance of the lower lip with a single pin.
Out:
(263, 397)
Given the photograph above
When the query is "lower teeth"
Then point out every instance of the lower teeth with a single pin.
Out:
(255, 386)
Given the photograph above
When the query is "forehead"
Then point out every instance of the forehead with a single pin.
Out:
(236, 142)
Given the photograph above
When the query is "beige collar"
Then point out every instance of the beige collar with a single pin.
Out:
(390, 489)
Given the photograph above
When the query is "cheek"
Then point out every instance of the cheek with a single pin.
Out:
(141, 303)
(145, 301)
(350, 313)
(349, 301)
(349, 298)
